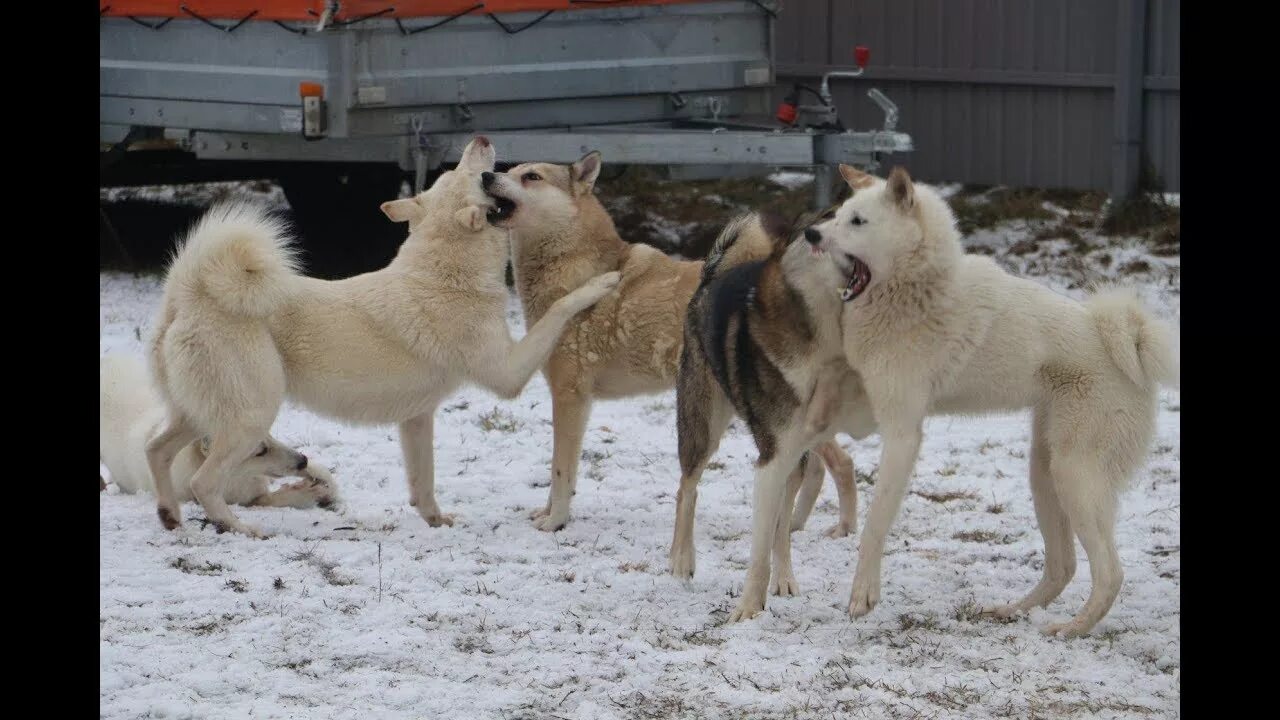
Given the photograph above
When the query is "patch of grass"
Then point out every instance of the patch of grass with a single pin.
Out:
(278, 584)
(699, 208)
(471, 643)
(499, 420)
(977, 210)
(633, 567)
(967, 611)
(908, 621)
(715, 465)
(945, 497)
(996, 508)
(567, 576)
(328, 569)
(983, 536)
(239, 586)
(191, 567)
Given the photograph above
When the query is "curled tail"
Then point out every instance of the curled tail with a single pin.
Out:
(239, 256)
(1139, 343)
(748, 237)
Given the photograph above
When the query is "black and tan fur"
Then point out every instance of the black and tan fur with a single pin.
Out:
(745, 325)
(628, 344)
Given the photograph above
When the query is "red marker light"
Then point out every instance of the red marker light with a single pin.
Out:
(861, 54)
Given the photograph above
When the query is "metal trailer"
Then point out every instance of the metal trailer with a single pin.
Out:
(237, 88)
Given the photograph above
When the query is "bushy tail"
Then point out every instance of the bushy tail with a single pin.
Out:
(1139, 343)
(239, 256)
(747, 237)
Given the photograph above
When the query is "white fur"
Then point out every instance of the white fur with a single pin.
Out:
(240, 330)
(129, 411)
(938, 331)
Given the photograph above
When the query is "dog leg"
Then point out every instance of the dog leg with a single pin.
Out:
(417, 438)
(226, 453)
(901, 446)
(703, 414)
(1055, 527)
(1090, 502)
(770, 489)
(570, 410)
(784, 579)
(840, 464)
(810, 488)
(504, 366)
(163, 446)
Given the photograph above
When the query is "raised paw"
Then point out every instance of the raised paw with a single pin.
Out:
(839, 530)
(784, 584)
(865, 596)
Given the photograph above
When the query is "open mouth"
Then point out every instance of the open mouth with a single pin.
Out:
(859, 276)
(501, 211)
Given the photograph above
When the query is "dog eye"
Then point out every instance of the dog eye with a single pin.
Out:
(263, 451)
(531, 176)
(857, 220)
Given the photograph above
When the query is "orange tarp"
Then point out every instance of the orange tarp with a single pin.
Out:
(298, 9)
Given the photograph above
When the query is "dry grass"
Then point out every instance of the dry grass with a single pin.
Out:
(498, 420)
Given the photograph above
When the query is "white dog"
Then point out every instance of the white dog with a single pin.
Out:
(129, 411)
(930, 330)
(240, 329)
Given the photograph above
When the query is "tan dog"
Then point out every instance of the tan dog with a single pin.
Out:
(240, 329)
(630, 342)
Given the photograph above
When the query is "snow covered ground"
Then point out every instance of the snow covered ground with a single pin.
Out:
(368, 613)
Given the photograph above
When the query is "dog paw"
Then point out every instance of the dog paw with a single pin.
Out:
(746, 610)
(784, 584)
(552, 522)
(437, 519)
(594, 289)
(1071, 629)
(1001, 612)
(539, 512)
(865, 596)
(839, 530)
(235, 526)
(605, 282)
(682, 564)
(170, 518)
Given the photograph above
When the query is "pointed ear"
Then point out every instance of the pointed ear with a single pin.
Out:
(857, 179)
(900, 191)
(402, 210)
(471, 217)
(585, 171)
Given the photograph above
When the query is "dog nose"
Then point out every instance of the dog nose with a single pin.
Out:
(302, 464)
(486, 179)
(813, 236)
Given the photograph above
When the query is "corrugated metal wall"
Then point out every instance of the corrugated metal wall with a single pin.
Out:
(1016, 92)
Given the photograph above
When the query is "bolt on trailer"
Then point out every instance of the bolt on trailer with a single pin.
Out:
(223, 89)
